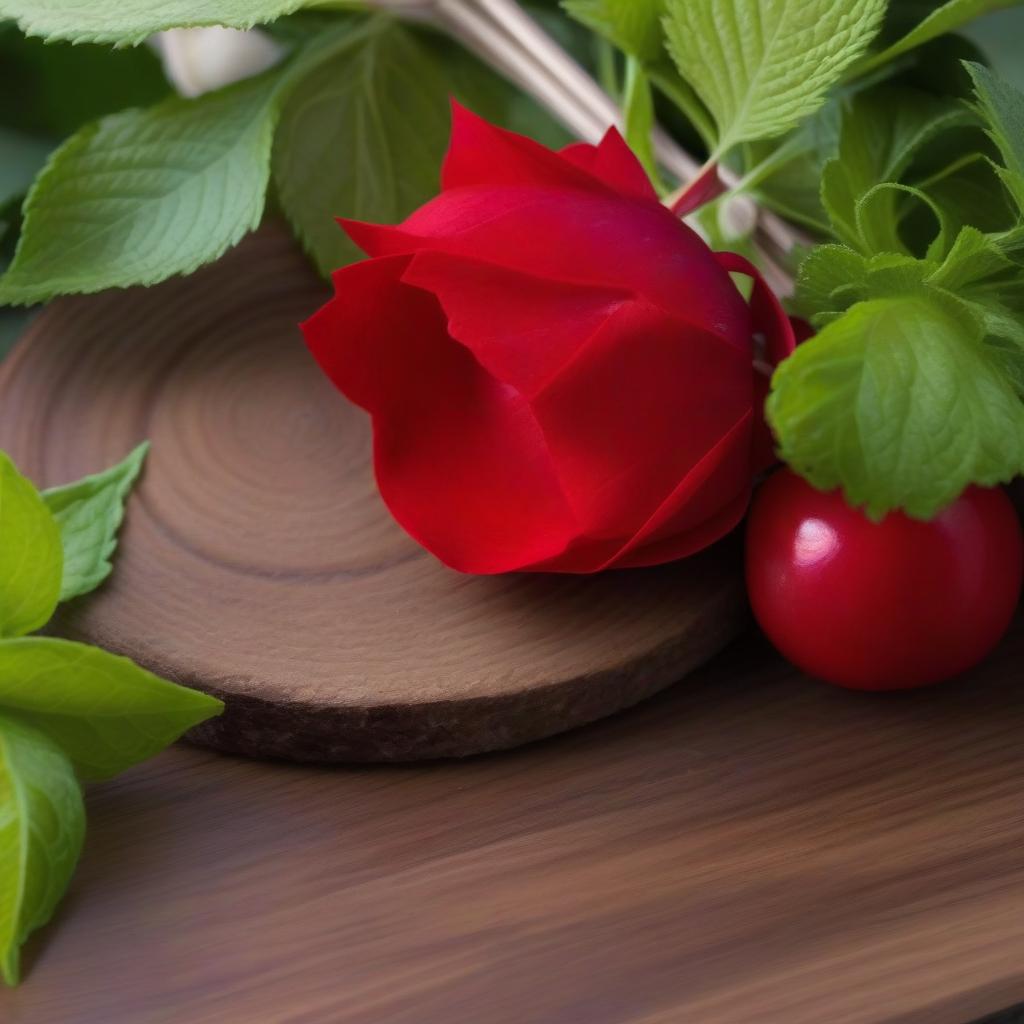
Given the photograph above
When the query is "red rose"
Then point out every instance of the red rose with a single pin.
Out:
(559, 371)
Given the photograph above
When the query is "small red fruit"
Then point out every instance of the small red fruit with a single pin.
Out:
(881, 606)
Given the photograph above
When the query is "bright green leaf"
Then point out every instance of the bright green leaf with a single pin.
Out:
(901, 404)
(361, 135)
(880, 211)
(1002, 108)
(944, 18)
(761, 66)
(632, 25)
(973, 257)
(130, 21)
(825, 274)
(30, 555)
(832, 278)
(89, 513)
(42, 825)
(143, 195)
(104, 711)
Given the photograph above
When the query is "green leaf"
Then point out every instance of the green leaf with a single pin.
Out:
(973, 257)
(53, 89)
(361, 135)
(942, 19)
(824, 275)
(881, 132)
(104, 711)
(30, 555)
(832, 278)
(970, 192)
(638, 111)
(881, 210)
(632, 25)
(89, 514)
(130, 21)
(1001, 106)
(42, 825)
(761, 66)
(143, 195)
(901, 404)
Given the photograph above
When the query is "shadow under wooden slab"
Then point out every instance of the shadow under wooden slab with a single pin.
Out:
(751, 846)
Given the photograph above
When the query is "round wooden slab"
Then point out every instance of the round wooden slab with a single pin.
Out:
(258, 563)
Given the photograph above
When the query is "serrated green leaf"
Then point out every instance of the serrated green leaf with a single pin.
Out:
(881, 132)
(361, 135)
(761, 66)
(1002, 108)
(973, 257)
(832, 278)
(143, 195)
(89, 514)
(940, 20)
(104, 711)
(127, 22)
(632, 25)
(824, 274)
(42, 825)
(30, 555)
(901, 404)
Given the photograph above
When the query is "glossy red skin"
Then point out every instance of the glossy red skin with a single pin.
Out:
(881, 606)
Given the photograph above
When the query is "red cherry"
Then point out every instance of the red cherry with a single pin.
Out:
(881, 606)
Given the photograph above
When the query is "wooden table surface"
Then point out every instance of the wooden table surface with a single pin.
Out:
(749, 846)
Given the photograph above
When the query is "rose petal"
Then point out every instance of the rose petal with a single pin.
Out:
(481, 153)
(635, 411)
(769, 319)
(590, 239)
(708, 503)
(614, 163)
(768, 315)
(522, 328)
(460, 459)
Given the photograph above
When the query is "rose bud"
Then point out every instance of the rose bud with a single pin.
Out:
(559, 371)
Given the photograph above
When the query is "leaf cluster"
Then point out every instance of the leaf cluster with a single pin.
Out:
(353, 122)
(68, 712)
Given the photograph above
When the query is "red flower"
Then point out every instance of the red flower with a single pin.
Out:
(559, 371)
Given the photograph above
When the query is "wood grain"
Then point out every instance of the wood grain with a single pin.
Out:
(749, 848)
(259, 563)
